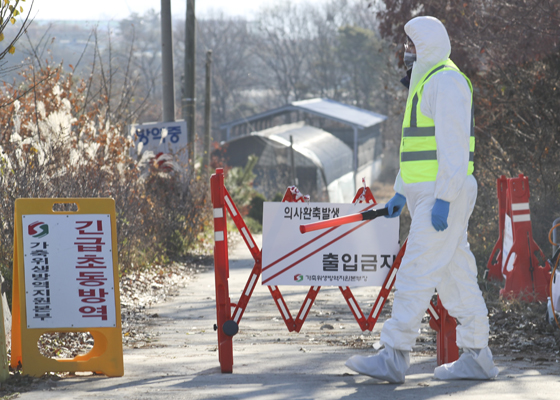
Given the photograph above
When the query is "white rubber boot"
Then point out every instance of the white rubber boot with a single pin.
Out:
(387, 365)
(473, 364)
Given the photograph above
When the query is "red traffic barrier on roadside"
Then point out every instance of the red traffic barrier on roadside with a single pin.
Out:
(516, 257)
(446, 338)
(229, 314)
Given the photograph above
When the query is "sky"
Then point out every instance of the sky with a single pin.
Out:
(118, 9)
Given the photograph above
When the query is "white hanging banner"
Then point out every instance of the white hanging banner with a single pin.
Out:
(68, 268)
(356, 254)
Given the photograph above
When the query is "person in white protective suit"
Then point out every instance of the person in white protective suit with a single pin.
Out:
(436, 182)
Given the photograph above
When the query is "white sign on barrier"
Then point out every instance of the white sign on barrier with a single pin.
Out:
(68, 267)
(356, 254)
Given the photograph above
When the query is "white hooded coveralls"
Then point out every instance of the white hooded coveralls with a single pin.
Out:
(439, 260)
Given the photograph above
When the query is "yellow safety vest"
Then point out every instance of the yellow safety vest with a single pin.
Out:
(418, 151)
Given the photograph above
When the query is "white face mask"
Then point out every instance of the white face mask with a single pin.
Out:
(409, 59)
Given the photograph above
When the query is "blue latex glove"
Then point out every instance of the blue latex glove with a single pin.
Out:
(398, 201)
(439, 214)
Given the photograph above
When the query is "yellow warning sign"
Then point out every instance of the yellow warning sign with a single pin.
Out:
(66, 280)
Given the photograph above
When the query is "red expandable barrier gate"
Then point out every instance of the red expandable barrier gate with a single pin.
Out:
(529, 277)
(228, 322)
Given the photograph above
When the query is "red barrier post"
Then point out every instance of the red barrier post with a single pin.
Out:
(446, 328)
(221, 266)
(528, 279)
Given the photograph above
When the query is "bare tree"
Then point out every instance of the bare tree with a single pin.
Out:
(10, 12)
(325, 69)
(144, 32)
(283, 43)
(233, 63)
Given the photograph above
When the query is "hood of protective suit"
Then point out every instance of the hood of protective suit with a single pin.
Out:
(432, 44)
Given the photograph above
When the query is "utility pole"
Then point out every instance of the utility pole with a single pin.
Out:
(207, 114)
(167, 62)
(293, 164)
(189, 96)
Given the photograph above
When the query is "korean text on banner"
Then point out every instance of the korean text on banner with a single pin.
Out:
(159, 137)
(68, 266)
(356, 254)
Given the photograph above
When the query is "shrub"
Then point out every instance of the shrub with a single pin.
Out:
(256, 207)
(239, 183)
(180, 209)
(59, 140)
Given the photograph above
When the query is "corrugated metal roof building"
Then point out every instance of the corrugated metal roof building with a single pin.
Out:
(326, 164)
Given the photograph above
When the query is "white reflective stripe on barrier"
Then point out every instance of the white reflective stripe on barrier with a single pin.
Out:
(434, 313)
(248, 237)
(390, 281)
(219, 236)
(218, 212)
(273, 288)
(251, 284)
(284, 311)
(355, 308)
(237, 316)
(521, 218)
(315, 288)
(230, 206)
(378, 307)
(304, 311)
(519, 206)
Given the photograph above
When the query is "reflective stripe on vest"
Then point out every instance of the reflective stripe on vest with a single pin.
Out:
(418, 151)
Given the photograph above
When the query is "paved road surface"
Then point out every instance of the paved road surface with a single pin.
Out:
(271, 363)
